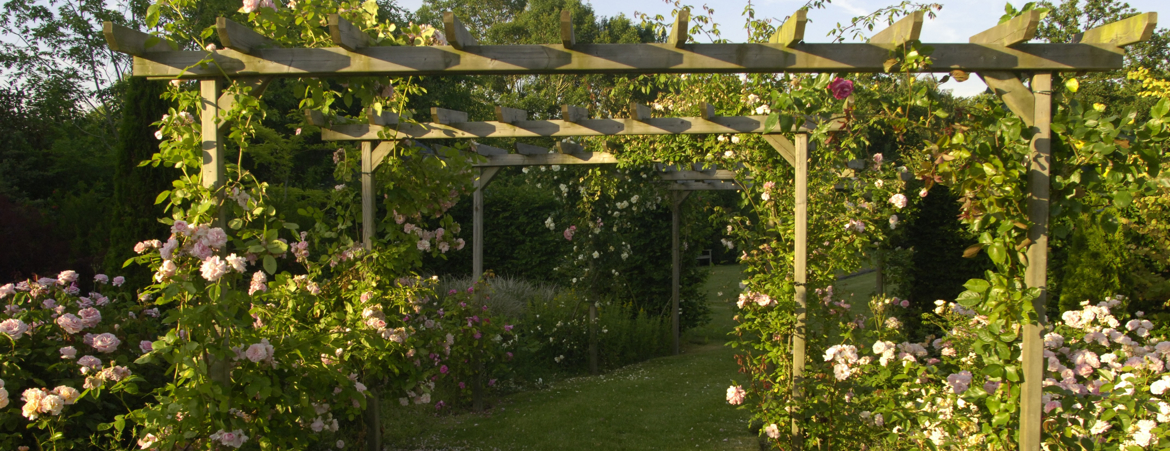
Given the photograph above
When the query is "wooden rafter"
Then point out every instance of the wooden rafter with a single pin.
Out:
(555, 128)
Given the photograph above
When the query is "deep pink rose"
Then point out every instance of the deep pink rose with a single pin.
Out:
(841, 88)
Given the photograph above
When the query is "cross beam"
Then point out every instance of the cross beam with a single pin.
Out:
(557, 128)
(613, 58)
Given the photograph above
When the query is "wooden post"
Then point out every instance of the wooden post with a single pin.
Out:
(374, 420)
(368, 227)
(213, 173)
(593, 338)
(483, 178)
(800, 274)
(677, 199)
(1040, 159)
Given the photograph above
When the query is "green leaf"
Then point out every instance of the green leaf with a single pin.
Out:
(969, 299)
(152, 15)
(1001, 419)
(128, 262)
(162, 196)
(997, 252)
(1121, 199)
(771, 122)
(977, 285)
(1161, 109)
(269, 264)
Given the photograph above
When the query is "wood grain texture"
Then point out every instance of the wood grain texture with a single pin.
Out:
(679, 31)
(1016, 31)
(1014, 94)
(1124, 32)
(239, 37)
(792, 32)
(568, 36)
(510, 115)
(618, 58)
(907, 29)
(784, 146)
(133, 42)
(557, 128)
(347, 35)
(457, 34)
(720, 174)
(547, 159)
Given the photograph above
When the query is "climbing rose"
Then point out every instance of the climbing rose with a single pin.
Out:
(258, 283)
(67, 394)
(250, 6)
(90, 317)
(569, 232)
(773, 431)
(118, 281)
(106, 342)
(71, 323)
(841, 88)
(66, 277)
(959, 382)
(101, 278)
(899, 200)
(735, 395)
(213, 268)
(68, 352)
(236, 262)
(13, 328)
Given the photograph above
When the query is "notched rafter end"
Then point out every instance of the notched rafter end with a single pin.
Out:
(457, 34)
(133, 42)
(792, 31)
(347, 35)
(568, 37)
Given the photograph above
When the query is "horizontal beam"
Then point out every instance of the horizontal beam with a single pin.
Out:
(720, 174)
(510, 115)
(529, 149)
(486, 150)
(547, 159)
(703, 186)
(618, 58)
(558, 128)
(446, 117)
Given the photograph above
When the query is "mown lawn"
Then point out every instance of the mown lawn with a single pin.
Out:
(672, 402)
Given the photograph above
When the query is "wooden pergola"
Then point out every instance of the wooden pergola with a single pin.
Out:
(1000, 55)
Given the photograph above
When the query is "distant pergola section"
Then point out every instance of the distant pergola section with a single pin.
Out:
(383, 132)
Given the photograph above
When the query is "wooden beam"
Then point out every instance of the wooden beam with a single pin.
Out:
(720, 174)
(569, 148)
(617, 58)
(485, 177)
(486, 150)
(706, 168)
(510, 115)
(347, 35)
(639, 112)
(548, 159)
(676, 200)
(1036, 273)
(679, 31)
(385, 119)
(702, 186)
(1016, 31)
(379, 154)
(707, 111)
(563, 129)
(573, 113)
(133, 42)
(568, 37)
(1124, 32)
(457, 34)
(529, 149)
(239, 37)
(315, 117)
(792, 32)
(784, 146)
(447, 117)
(1014, 94)
(903, 31)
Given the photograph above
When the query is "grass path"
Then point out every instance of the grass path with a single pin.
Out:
(672, 402)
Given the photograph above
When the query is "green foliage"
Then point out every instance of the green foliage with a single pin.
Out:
(1097, 265)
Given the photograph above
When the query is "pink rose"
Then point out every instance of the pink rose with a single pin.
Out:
(13, 328)
(735, 395)
(71, 323)
(106, 342)
(841, 88)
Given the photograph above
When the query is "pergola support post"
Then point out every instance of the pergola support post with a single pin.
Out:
(1035, 276)
(677, 198)
(214, 170)
(800, 275)
(483, 178)
(368, 227)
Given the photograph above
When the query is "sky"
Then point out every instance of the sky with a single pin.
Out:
(957, 21)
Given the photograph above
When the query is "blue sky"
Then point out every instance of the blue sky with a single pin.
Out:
(956, 22)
